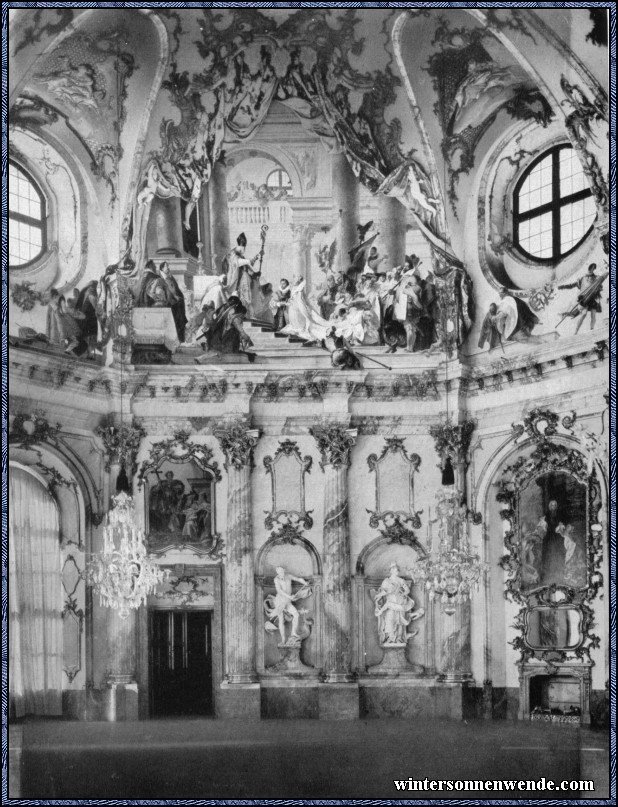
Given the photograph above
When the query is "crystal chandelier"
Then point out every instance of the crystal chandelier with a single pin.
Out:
(123, 575)
(454, 571)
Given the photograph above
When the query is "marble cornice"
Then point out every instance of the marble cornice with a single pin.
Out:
(241, 388)
(539, 364)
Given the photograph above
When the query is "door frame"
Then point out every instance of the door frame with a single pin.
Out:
(216, 608)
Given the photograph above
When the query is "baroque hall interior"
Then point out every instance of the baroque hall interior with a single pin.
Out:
(308, 323)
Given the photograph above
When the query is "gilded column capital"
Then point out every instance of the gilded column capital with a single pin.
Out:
(237, 441)
(334, 442)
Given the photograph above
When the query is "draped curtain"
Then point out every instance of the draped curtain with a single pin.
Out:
(35, 599)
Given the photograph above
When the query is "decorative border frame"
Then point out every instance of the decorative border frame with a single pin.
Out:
(179, 449)
(612, 368)
(395, 445)
(274, 516)
(548, 457)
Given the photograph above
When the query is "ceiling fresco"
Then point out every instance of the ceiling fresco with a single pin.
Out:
(337, 69)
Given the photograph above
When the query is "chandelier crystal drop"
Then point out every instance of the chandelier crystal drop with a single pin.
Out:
(123, 575)
(454, 570)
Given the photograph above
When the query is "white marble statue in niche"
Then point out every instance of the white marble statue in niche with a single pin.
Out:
(394, 609)
(280, 609)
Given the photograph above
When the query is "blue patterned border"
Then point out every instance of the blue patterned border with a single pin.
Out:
(5, 6)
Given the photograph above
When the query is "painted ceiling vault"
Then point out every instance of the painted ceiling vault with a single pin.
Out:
(416, 99)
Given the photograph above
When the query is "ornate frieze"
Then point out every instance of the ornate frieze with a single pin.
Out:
(335, 441)
(237, 442)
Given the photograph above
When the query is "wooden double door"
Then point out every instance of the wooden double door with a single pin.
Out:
(180, 645)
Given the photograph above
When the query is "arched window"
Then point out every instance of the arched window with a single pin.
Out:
(553, 207)
(27, 236)
(278, 180)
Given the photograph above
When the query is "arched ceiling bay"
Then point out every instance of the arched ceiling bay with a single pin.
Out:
(155, 95)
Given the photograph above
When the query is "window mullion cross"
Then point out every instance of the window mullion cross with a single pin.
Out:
(555, 198)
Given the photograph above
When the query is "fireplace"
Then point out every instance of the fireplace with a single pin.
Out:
(555, 693)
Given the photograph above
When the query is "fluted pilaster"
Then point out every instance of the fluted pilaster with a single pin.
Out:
(335, 442)
(238, 442)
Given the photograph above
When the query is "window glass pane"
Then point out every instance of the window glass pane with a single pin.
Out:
(576, 218)
(536, 190)
(571, 221)
(572, 177)
(25, 242)
(535, 236)
(279, 179)
(23, 196)
(25, 218)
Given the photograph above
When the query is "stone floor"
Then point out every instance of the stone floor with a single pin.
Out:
(292, 759)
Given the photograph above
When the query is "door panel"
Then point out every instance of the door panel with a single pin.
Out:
(180, 663)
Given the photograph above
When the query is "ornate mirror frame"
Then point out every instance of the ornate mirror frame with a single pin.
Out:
(549, 457)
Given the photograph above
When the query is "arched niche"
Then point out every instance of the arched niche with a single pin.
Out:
(300, 558)
(66, 487)
(372, 567)
(499, 612)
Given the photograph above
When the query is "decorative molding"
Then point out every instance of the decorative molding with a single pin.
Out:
(453, 439)
(178, 449)
(588, 640)
(548, 457)
(121, 442)
(539, 424)
(27, 431)
(71, 576)
(579, 122)
(397, 529)
(335, 441)
(238, 442)
(396, 525)
(73, 620)
(288, 518)
(184, 589)
(25, 297)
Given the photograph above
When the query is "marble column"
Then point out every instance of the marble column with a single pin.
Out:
(219, 216)
(392, 227)
(166, 228)
(238, 442)
(345, 208)
(206, 267)
(121, 701)
(299, 251)
(335, 442)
